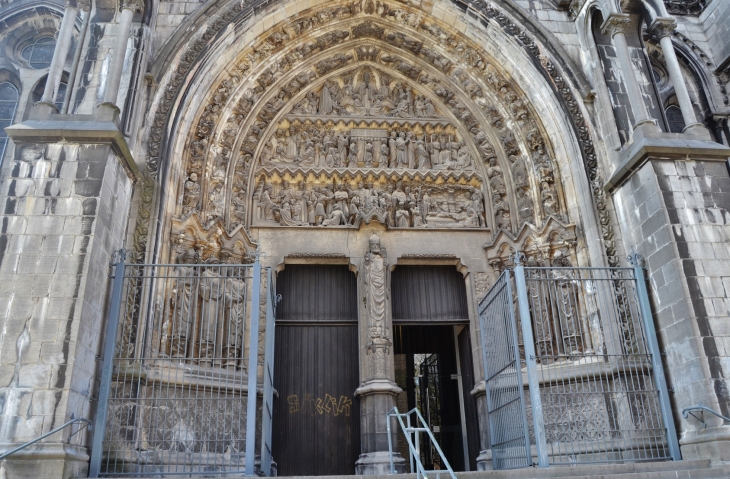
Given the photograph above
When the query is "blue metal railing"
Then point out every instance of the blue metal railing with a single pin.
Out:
(49, 433)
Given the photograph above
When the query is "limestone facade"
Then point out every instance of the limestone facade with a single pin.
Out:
(371, 133)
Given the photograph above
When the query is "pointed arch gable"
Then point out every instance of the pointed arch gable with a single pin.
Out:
(566, 150)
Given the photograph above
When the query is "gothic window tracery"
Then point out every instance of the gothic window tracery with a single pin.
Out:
(8, 106)
(39, 53)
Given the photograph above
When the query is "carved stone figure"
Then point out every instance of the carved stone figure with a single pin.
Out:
(336, 218)
(210, 327)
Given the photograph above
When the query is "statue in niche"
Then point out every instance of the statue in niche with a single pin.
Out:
(192, 194)
(525, 208)
(345, 96)
(367, 91)
(549, 198)
(403, 108)
(411, 147)
(216, 202)
(267, 153)
(184, 304)
(419, 107)
(418, 221)
(336, 218)
(210, 329)
(501, 212)
(429, 111)
(239, 206)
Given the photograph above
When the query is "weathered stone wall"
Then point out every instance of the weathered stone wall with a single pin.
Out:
(716, 23)
(65, 210)
(676, 214)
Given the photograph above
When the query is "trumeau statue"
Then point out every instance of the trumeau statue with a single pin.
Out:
(375, 279)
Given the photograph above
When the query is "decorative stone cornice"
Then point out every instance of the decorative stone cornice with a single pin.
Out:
(685, 7)
(662, 27)
(616, 23)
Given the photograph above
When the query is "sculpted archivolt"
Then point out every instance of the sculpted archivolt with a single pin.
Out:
(412, 99)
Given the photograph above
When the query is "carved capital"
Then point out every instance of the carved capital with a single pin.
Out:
(137, 6)
(662, 27)
(616, 23)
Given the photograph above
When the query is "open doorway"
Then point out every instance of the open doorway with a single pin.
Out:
(436, 377)
(433, 362)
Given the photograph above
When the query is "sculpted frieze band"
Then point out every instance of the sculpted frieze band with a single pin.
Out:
(344, 201)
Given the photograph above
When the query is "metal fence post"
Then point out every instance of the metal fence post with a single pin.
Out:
(253, 354)
(531, 363)
(656, 362)
(108, 364)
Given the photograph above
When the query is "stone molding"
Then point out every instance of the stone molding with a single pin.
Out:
(77, 129)
(616, 23)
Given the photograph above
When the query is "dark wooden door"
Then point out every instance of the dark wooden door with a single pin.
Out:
(316, 417)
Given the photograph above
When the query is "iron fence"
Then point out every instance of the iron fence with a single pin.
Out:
(590, 359)
(508, 433)
(175, 386)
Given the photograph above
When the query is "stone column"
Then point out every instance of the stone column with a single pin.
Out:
(111, 90)
(616, 24)
(378, 390)
(662, 29)
(63, 44)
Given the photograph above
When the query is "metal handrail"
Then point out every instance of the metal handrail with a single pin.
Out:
(688, 411)
(59, 428)
(414, 451)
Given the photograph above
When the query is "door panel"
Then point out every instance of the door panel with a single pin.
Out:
(317, 419)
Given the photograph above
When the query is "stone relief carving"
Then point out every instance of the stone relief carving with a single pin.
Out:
(307, 150)
(377, 301)
(346, 201)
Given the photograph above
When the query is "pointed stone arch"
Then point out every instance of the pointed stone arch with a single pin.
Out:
(514, 117)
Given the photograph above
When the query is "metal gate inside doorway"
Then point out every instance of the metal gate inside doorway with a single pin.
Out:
(186, 343)
(572, 368)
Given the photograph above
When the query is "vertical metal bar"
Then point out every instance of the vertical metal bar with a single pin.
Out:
(530, 361)
(108, 366)
(390, 442)
(459, 384)
(252, 369)
(656, 362)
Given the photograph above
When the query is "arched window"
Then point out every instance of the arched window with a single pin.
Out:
(675, 119)
(8, 105)
(40, 53)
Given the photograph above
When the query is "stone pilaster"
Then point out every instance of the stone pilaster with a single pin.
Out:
(672, 198)
(378, 390)
(65, 198)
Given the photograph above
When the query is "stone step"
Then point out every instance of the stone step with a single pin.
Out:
(700, 469)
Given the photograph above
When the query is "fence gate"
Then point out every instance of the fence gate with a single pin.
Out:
(594, 378)
(174, 394)
(508, 434)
